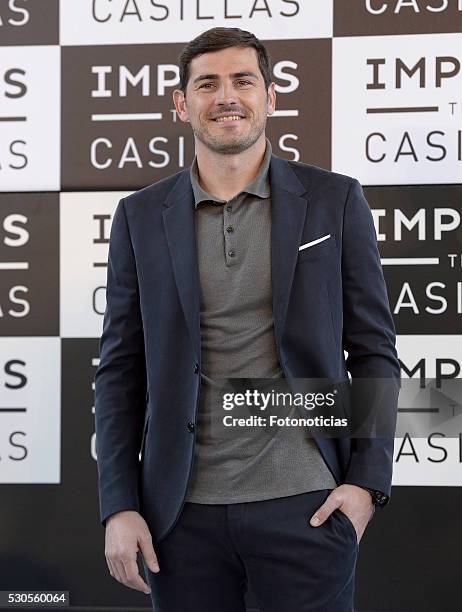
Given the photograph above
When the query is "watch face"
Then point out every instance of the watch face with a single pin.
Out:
(380, 498)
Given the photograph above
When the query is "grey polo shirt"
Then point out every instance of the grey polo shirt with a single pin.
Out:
(237, 341)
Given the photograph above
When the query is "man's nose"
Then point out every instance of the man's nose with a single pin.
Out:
(225, 93)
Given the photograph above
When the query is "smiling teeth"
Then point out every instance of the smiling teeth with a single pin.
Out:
(229, 118)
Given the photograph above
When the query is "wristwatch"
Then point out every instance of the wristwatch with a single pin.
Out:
(378, 498)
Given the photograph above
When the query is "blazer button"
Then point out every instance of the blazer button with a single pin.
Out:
(196, 368)
(191, 426)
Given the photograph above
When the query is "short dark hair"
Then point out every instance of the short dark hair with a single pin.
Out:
(222, 38)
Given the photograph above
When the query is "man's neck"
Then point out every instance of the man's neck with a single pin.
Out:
(223, 176)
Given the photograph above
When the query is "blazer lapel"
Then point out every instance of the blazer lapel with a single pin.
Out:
(179, 223)
(288, 212)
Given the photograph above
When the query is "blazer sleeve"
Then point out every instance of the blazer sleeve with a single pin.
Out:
(120, 379)
(369, 337)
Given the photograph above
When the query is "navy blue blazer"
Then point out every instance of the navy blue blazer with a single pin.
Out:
(326, 298)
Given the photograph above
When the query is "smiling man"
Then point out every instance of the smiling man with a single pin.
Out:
(242, 265)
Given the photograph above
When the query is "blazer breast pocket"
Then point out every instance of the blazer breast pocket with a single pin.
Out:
(317, 247)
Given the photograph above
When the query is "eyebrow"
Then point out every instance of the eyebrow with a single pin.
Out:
(234, 75)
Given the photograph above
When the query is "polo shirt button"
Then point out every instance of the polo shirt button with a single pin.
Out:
(231, 253)
(196, 368)
(191, 426)
(230, 229)
(229, 208)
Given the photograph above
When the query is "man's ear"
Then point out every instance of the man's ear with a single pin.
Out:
(179, 101)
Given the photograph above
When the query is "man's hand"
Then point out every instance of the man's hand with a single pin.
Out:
(126, 533)
(353, 501)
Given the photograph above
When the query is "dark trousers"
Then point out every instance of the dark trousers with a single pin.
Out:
(214, 551)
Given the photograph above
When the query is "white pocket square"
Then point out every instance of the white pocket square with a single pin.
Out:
(313, 242)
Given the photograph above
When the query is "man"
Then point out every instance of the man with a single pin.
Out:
(243, 265)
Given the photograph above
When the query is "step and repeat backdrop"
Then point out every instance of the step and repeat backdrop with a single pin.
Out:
(368, 88)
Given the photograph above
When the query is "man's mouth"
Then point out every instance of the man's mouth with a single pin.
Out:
(228, 118)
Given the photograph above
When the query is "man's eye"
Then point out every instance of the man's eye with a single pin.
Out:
(241, 81)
